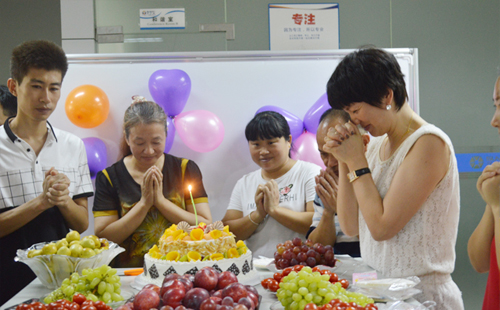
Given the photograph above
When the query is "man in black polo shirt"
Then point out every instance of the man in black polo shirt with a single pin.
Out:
(44, 176)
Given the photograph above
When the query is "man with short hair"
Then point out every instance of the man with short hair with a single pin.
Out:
(325, 228)
(44, 176)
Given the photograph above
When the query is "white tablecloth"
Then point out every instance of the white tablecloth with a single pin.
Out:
(36, 289)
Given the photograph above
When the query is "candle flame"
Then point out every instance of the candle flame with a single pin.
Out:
(189, 187)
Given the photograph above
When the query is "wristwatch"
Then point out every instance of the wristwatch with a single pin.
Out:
(354, 175)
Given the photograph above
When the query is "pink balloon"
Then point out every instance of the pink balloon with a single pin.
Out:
(306, 149)
(202, 131)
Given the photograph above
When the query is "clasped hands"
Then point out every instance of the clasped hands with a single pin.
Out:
(488, 185)
(152, 186)
(267, 199)
(326, 188)
(344, 142)
(55, 189)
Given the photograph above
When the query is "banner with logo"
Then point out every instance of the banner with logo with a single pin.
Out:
(162, 18)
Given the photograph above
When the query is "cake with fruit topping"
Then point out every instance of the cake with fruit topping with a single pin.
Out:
(185, 249)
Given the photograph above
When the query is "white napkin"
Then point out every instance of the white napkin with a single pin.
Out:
(262, 262)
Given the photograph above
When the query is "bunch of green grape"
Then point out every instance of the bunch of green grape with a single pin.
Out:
(101, 283)
(298, 289)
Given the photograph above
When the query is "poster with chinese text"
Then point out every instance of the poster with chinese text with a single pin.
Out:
(162, 19)
(304, 26)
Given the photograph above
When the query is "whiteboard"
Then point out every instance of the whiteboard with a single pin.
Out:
(233, 85)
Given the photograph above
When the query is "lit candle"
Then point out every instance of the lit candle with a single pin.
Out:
(194, 207)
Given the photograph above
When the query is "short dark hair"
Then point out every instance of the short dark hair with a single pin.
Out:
(38, 54)
(365, 76)
(8, 101)
(335, 113)
(267, 125)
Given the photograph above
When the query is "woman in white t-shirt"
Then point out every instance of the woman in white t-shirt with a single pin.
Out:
(275, 203)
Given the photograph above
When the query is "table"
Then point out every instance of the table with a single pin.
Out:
(36, 289)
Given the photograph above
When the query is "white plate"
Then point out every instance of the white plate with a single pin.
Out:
(272, 267)
(277, 306)
(125, 294)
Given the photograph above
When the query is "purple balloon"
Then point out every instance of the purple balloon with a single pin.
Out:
(296, 125)
(96, 155)
(170, 89)
(311, 119)
(170, 135)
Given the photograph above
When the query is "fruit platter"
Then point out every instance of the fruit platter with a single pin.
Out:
(206, 290)
(100, 289)
(304, 278)
(302, 287)
(52, 262)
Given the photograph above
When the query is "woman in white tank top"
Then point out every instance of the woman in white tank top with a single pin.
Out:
(402, 196)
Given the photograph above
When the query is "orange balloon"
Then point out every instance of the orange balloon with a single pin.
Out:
(87, 106)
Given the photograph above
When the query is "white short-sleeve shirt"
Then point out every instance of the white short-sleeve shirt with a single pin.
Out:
(296, 188)
(22, 172)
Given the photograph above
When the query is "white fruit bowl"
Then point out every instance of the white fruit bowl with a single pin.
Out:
(53, 269)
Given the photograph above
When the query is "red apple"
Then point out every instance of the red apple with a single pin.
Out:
(188, 284)
(240, 307)
(195, 297)
(171, 284)
(173, 297)
(235, 291)
(188, 276)
(153, 287)
(217, 300)
(252, 289)
(247, 302)
(146, 299)
(206, 278)
(226, 278)
(166, 308)
(217, 293)
(208, 304)
(227, 301)
(255, 298)
(172, 276)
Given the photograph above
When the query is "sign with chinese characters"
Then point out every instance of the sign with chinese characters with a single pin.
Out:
(162, 19)
(304, 26)
(475, 162)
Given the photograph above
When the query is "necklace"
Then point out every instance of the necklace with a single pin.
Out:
(401, 139)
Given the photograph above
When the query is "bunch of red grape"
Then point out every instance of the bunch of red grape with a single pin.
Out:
(295, 252)
(206, 290)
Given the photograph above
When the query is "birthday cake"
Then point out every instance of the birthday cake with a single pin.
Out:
(184, 249)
